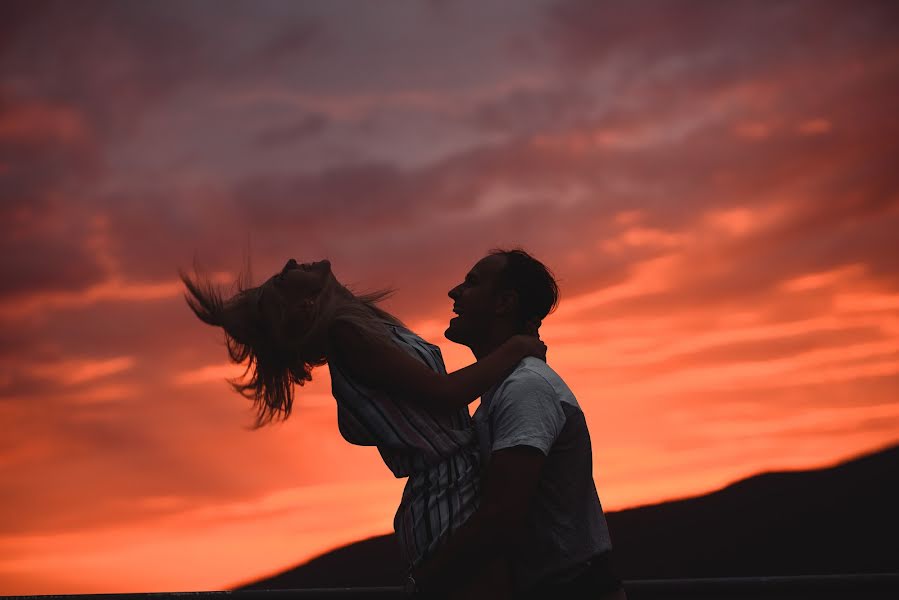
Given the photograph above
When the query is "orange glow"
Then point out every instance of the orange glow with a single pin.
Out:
(229, 542)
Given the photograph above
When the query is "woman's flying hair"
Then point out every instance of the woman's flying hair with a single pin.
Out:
(275, 362)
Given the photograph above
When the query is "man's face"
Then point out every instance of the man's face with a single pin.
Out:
(474, 302)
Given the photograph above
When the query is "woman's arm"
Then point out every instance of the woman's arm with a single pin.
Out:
(385, 366)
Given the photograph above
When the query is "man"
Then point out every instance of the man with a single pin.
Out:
(540, 515)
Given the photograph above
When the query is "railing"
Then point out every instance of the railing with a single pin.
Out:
(851, 587)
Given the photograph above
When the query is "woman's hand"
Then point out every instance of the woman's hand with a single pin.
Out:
(530, 345)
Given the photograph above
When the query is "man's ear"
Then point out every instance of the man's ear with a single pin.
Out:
(506, 303)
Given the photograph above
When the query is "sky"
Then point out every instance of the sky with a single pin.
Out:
(714, 183)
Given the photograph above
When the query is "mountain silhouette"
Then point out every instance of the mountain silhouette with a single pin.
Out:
(840, 519)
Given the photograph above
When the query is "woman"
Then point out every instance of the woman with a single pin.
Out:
(391, 387)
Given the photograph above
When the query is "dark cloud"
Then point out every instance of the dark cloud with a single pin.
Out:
(359, 200)
(115, 60)
(296, 39)
(48, 158)
(721, 39)
(525, 112)
(295, 131)
(73, 77)
(44, 147)
(46, 262)
(351, 200)
(104, 58)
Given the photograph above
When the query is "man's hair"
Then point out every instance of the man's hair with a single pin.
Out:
(538, 292)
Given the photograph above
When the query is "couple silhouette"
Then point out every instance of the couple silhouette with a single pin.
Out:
(498, 505)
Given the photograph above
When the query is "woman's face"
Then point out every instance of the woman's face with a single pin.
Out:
(295, 285)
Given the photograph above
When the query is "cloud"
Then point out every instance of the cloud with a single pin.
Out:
(40, 122)
(297, 38)
(531, 110)
(107, 291)
(71, 372)
(814, 127)
(720, 41)
(829, 278)
(114, 64)
(209, 373)
(306, 127)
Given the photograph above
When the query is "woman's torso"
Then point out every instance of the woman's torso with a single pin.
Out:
(438, 453)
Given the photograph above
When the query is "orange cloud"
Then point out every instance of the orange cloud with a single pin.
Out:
(109, 291)
(867, 302)
(814, 127)
(209, 373)
(753, 131)
(642, 237)
(739, 221)
(839, 276)
(71, 372)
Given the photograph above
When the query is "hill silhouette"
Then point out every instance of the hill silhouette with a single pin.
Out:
(841, 519)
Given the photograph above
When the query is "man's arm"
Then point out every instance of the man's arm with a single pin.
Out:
(509, 485)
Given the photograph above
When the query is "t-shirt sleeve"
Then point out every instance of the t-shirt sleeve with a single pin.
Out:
(526, 412)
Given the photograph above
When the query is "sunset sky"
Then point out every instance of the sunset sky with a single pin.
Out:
(714, 183)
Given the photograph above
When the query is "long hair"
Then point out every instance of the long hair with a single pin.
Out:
(274, 364)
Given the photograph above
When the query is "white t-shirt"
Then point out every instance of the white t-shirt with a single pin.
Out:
(565, 525)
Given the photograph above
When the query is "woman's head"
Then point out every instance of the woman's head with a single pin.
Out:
(280, 328)
(289, 301)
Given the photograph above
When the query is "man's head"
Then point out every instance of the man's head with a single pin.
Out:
(505, 293)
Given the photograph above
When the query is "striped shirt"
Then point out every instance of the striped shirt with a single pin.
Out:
(438, 453)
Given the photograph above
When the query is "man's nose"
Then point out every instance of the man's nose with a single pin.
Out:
(453, 292)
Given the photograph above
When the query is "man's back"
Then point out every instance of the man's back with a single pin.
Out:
(565, 526)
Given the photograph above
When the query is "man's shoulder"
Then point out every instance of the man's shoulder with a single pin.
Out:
(531, 374)
(528, 408)
(535, 376)
(534, 371)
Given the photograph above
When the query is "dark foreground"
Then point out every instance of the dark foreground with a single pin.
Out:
(857, 587)
(843, 519)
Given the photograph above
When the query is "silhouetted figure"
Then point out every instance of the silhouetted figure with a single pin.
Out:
(539, 509)
(391, 386)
